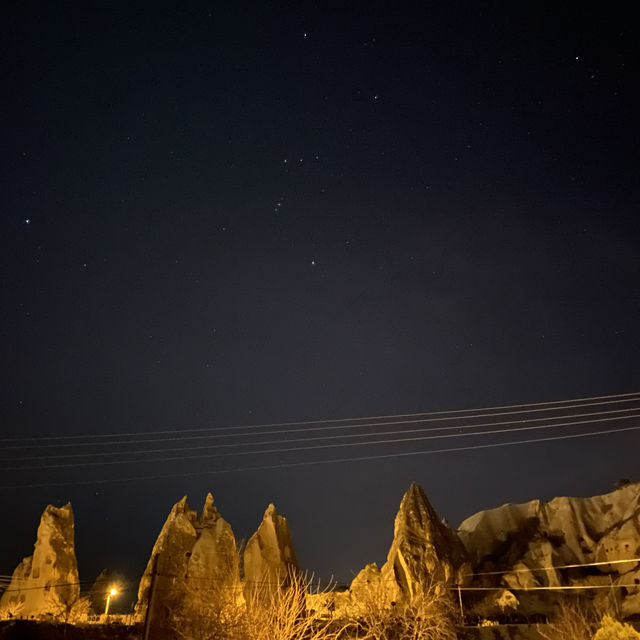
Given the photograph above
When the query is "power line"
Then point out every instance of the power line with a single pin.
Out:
(312, 447)
(126, 586)
(563, 566)
(303, 439)
(44, 586)
(565, 588)
(538, 406)
(318, 462)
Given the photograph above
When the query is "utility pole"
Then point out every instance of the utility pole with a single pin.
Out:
(152, 593)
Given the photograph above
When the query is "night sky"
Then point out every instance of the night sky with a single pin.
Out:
(227, 214)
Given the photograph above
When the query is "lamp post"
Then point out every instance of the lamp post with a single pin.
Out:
(110, 594)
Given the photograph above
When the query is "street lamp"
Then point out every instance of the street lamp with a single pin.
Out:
(110, 594)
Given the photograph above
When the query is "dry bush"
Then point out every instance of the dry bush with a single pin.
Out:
(572, 621)
(611, 629)
(270, 612)
(79, 611)
(11, 610)
(430, 615)
(275, 612)
(373, 614)
(68, 608)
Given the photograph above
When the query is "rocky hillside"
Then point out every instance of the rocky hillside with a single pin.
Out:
(528, 547)
(514, 558)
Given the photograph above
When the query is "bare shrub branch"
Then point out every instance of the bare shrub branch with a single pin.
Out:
(430, 615)
(573, 621)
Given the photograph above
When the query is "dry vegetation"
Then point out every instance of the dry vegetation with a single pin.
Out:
(611, 629)
(430, 615)
(267, 613)
(277, 613)
(573, 621)
(579, 620)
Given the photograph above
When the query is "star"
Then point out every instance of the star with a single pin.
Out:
(313, 263)
(27, 220)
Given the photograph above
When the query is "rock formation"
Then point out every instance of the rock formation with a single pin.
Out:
(46, 584)
(424, 551)
(193, 558)
(269, 557)
(530, 543)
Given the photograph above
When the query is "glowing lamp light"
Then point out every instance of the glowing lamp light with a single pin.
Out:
(110, 594)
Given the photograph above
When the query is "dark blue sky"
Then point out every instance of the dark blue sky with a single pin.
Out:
(223, 215)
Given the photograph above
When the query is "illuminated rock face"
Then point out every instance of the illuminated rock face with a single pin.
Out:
(424, 551)
(46, 584)
(529, 541)
(194, 557)
(214, 557)
(269, 558)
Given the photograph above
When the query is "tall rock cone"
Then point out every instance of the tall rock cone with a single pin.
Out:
(193, 558)
(269, 557)
(424, 550)
(214, 557)
(46, 584)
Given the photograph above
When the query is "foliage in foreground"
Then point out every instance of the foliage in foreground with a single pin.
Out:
(611, 629)
(578, 621)
(429, 615)
(573, 621)
(267, 613)
(277, 613)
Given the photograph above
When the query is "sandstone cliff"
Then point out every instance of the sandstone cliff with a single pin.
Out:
(269, 557)
(193, 558)
(530, 542)
(46, 584)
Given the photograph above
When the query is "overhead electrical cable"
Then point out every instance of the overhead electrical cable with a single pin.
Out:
(329, 461)
(561, 566)
(317, 447)
(304, 430)
(479, 413)
(332, 437)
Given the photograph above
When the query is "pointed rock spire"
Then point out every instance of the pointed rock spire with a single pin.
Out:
(192, 555)
(214, 560)
(269, 557)
(47, 583)
(424, 550)
(209, 511)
